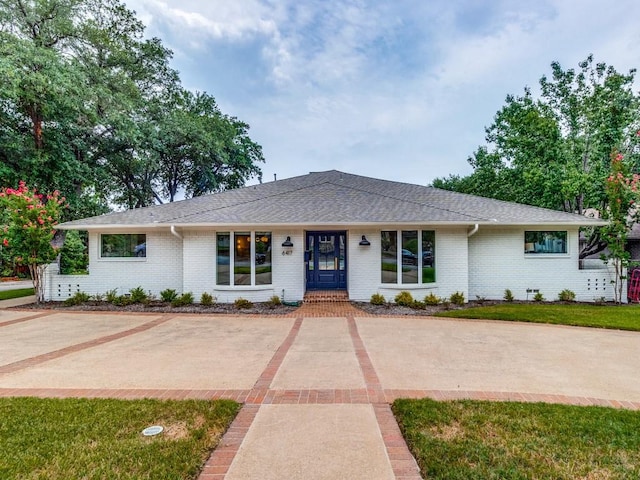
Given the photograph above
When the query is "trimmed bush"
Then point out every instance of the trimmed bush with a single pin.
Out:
(432, 299)
(78, 298)
(508, 296)
(566, 295)
(377, 299)
(243, 303)
(538, 297)
(112, 296)
(168, 295)
(418, 305)
(207, 299)
(457, 298)
(404, 299)
(183, 300)
(138, 295)
(274, 301)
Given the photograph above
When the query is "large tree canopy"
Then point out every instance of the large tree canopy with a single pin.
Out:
(90, 107)
(554, 151)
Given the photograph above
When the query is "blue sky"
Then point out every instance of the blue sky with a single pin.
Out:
(400, 90)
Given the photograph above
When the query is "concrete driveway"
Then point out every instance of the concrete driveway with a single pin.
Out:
(316, 390)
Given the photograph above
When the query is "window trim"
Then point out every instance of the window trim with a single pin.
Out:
(529, 252)
(252, 258)
(120, 259)
(399, 280)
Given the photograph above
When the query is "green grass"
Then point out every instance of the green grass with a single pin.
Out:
(58, 439)
(472, 440)
(622, 317)
(21, 292)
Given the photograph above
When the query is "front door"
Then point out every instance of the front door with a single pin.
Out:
(326, 260)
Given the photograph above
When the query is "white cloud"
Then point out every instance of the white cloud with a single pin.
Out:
(397, 89)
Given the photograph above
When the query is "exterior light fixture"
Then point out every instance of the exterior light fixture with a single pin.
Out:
(364, 242)
(287, 246)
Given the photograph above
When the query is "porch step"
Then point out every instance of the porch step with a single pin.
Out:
(326, 296)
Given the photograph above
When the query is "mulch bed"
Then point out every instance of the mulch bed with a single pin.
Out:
(231, 309)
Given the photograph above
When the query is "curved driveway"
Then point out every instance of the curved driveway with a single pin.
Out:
(307, 379)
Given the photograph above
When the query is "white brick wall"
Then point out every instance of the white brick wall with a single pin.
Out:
(497, 261)
(161, 269)
(450, 257)
(483, 265)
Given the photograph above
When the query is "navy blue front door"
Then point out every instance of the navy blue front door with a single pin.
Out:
(326, 260)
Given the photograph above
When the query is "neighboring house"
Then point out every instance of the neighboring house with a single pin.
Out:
(333, 230)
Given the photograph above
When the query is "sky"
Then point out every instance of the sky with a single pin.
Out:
(395, 89)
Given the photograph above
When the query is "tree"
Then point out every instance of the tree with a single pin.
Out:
(554, 151)
(28, 220)
(79, 110)
(73, 256)
(621, 188)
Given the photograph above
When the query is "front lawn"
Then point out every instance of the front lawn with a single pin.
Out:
(473, 440)
(20, 292)
(97, 439)
(622, 317)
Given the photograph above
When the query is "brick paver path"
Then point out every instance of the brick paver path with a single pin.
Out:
(402, 463)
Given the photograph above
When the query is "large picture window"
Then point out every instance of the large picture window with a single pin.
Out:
(416, 257)
(550, 242)
(247, 255)
(123, 245)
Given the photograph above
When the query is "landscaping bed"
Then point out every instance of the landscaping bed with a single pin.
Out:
(165, 307)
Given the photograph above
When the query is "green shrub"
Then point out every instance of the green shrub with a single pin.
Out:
(98, 297)
(377, 299)
(432, 299)
(122, 300)
(418, 305)
(138, 295)
(183, 300)
(112, 296)
(566, 295)
(508, 296)
(243, 303)
(481, 299)
(168, 295)
(274, 301)
(538, 297)
(73, 256)
(78, 298)
(207, 299)
(404, 299)
(457, 298)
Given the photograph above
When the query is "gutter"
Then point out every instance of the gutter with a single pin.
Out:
(175, 233)
(473, 231)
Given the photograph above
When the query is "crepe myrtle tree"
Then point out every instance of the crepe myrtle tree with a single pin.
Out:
(622, 189)
(28, 219)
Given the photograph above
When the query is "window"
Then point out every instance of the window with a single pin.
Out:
(263, 258)
(552, 242)
(123, 245)
(249, 259)
(223, 259)
(416, 257)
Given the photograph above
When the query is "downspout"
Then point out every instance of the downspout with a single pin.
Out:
(175, 233)
(473, 231)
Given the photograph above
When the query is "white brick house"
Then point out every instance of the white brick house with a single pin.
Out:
(333, 230)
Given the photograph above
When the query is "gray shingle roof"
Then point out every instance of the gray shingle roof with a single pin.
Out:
(333, 198)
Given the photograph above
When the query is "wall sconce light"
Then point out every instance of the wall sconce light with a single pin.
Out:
(364, 242)
(287, 246)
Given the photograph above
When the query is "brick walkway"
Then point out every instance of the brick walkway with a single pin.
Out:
(262, 393)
